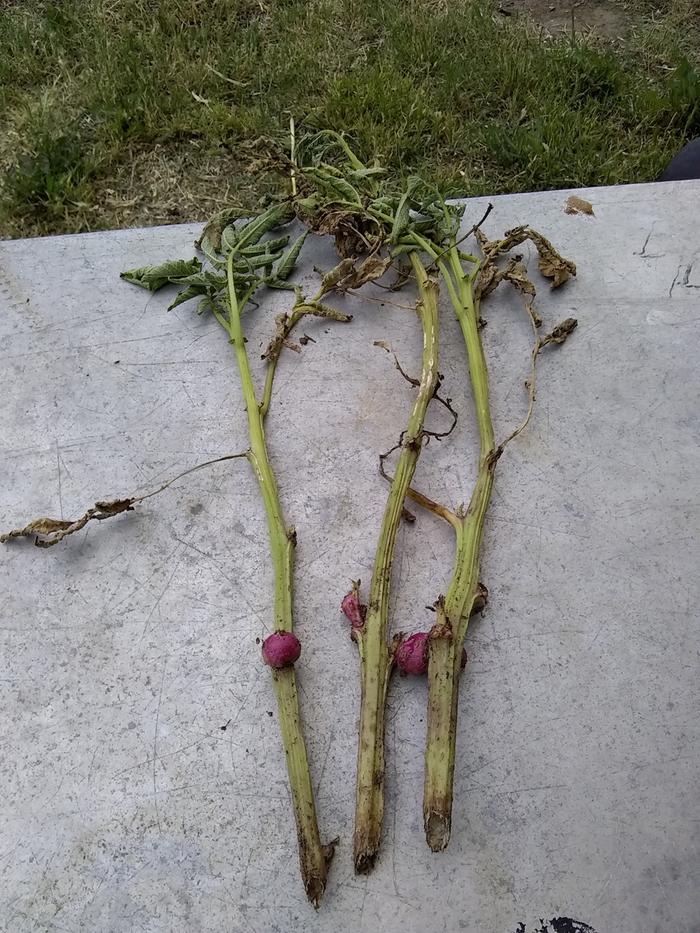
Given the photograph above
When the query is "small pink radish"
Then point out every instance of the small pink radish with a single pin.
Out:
(281, 649)
(353, 609)
(412, 654)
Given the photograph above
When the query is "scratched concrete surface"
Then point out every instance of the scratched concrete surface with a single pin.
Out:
(144, 785)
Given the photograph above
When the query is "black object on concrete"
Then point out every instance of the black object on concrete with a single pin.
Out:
(685, 165)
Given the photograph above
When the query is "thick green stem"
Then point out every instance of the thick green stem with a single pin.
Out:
(447, 636)
(376, 656)
(314, 858)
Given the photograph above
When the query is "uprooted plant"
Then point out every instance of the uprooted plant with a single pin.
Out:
(341, 196)
(440, 652)
(366, 215)
(468, 280)
(377, 226)
(239, 261)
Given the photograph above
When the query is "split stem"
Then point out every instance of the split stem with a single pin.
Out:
(376, 654)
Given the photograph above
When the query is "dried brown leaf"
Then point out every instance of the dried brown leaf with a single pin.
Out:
(336, 274)
(560, 333)
(282, 329)
(576, 205)
(49, 531)
(373, 267)
(490, 276)
(551, 264)
(516, 274)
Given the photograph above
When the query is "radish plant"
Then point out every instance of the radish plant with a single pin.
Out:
(378, 226)
(239, 262)
(366, 214)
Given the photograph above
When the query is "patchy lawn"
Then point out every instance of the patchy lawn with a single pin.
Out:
(142, 112)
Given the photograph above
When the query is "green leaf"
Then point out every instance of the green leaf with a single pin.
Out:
(340, 141)
(403, 211)
(360, 173)
(309, 204)
(273, 282)
(155, 277)
(192, 291)
(229, 238)
(403, 249)
(266, 246)
(206, 278)
(255, 229)
(206, 304)
(289, 260)
(336, 188)
(247, 264)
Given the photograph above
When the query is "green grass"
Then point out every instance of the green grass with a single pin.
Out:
(140, 111)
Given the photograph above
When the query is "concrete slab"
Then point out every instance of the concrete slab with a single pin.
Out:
(144, 779)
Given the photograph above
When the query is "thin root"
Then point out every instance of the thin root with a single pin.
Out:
(418, 497)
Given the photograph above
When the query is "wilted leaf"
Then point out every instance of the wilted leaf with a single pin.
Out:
(560, 332)
(155, 277)
(373, 267)
(49, 531)
(551, 264)
(205, 278)
(214, 228)
(192, 291)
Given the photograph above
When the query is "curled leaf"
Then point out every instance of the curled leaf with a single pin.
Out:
(49, 531)
(551, 264)
(373, 267)
(266, 246)
(214, 228)
(333, 186)
(516, 274)
(560, 332)
(289, 260)
(490, 277)
(403, 211)
(155, 277)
